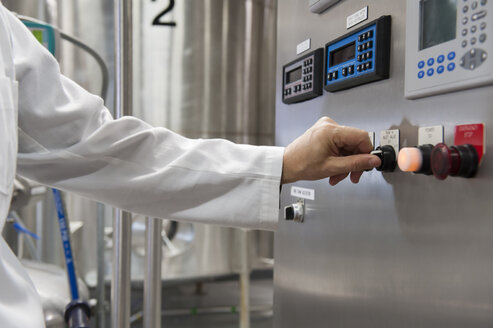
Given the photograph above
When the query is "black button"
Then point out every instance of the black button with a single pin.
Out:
(360, 37)
(351, 70)
(329, 76)
(310, 69)
(335, 75)
(369, 34)
(369, 54)
(344, 71)
(360, 48)
(309, 77)
(359, 68)
(359, 58)
(309, 85)
(368, 65)
(369, 44)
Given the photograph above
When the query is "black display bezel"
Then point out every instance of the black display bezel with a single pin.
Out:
(382, 56)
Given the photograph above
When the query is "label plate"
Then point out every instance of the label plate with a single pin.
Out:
(303, 193)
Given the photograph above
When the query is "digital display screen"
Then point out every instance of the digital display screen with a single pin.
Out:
(293, 75)
(343, 54)
(438, 22)
(38, 34)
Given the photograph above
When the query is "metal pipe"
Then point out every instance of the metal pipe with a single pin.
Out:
(122, 222)
(244, 280)
(100, 290)
(152, 273)
(120, 282)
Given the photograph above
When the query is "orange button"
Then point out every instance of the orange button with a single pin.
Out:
(410, 159)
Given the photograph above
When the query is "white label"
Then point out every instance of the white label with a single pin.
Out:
(303, 46)
(357, 17)
(391, 138)
(303, 193)
(372, 138)
(430, 135)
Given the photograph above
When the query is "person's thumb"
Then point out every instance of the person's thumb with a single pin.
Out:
(351, 163)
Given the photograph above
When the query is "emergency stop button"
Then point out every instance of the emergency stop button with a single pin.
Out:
(461, 161)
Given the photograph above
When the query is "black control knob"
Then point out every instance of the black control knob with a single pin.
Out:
(460, 161)
(387, 156)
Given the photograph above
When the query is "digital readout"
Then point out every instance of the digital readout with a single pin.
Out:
(293, 75)
(342, 54)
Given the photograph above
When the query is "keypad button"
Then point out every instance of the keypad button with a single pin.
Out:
(360, 48)
(421, 74)
(369, 54)
(440, 69)
(368, 65)
(465, 20)
(329, 76)
(421, 64)
(464, 43)
(451, 55)
(370, 34)
(450, 67)
(473, 41)
(474, 5)
(359, 68)
(351, 70)
(369, 45)
(464, 32)
(465, 9)
(484, 2)
(482, 26)
(478, 15)
(430, 71)
(482, 38)
(440, 59)
(309, 85)
(360, 37)
(360, 58)
(344, 71)
(430, 61)
(335, 75)
(474, 29)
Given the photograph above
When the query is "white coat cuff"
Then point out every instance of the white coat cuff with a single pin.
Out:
(269, 203)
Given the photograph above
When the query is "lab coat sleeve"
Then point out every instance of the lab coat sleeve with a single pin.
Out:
(68, 140)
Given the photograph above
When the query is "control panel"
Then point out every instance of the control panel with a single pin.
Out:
(302, 78)
(360, 57)
(447, 46)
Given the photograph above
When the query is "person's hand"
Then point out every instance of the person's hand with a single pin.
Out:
(328, 149)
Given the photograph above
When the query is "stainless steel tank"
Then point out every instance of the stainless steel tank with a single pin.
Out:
(208, 74)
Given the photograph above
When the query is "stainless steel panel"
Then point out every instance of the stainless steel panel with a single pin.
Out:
(397, 250)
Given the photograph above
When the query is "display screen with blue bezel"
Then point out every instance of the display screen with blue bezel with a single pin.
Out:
(359, 57)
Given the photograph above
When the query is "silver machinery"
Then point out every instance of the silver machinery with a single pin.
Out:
(399, 249)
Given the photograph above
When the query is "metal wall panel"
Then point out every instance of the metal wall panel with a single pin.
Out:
(396, 250)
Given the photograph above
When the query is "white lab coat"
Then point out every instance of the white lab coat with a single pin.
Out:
(67, 139)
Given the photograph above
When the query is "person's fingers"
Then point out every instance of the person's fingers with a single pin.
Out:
(355, 176)
(353, 163)
(352, 139)
(333, 180)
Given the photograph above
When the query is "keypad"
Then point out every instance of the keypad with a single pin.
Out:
(364, 57)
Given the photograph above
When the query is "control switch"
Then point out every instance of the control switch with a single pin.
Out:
(415, 159)
(295, 212)
(387, 156)
(461, 161)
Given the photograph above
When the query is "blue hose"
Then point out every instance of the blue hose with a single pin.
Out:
(67, 249)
